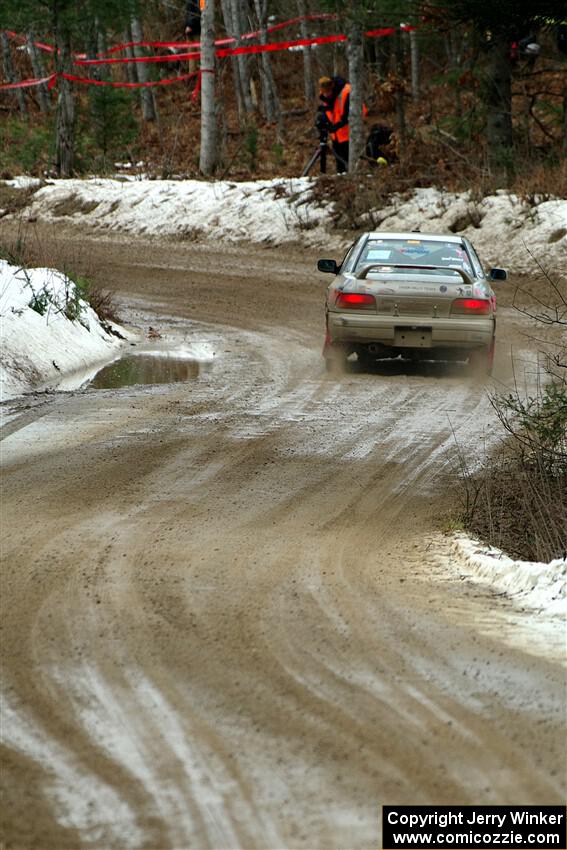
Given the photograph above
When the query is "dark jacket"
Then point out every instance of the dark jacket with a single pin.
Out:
(193, 17)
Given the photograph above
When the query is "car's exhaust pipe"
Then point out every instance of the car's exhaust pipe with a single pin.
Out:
(373, 348)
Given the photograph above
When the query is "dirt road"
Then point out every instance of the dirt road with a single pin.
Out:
(226, 622)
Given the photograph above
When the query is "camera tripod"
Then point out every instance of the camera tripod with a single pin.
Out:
(320, 154)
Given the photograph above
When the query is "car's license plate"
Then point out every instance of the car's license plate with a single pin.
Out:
(412, 337)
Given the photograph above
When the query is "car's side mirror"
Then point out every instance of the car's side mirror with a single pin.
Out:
(329, 266)
(498, 274)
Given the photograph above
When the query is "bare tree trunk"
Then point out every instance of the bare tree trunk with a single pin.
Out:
(383, 57)
(499, 103)
(146, 94)
(355, 54)
(130, 66)
(11, 75)
(414, 53)
(38, 72)
(269, 92)
(209, 151)
(455, 62)
(243, 69)
(400, 90)
(65, 128)
(96, 44)
(102, 45)
(308, 81)
(227, 15)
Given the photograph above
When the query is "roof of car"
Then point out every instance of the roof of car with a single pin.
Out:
(412, 234)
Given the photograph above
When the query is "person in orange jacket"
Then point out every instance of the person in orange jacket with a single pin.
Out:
(334, 94)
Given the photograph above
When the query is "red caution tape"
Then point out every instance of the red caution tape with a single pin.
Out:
(24, 84)
(177, 57)
(182, 57)
(322, 16)
(227, 51)
(220, 42)
(281, 45)
(52, 81)
(22, 39)
(88, 82)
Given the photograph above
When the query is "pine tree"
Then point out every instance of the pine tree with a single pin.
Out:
(64, 23)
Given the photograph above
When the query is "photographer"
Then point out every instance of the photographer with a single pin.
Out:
(334, 94)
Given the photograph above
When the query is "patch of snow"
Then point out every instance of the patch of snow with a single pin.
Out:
(39, 347)
(268, 211)
(534, 585)
(23, 182)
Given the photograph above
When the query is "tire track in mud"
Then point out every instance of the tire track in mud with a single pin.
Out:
(223, 618)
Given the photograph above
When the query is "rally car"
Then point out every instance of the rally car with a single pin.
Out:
(414, 295)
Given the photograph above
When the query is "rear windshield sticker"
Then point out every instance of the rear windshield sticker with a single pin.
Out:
(379, 254)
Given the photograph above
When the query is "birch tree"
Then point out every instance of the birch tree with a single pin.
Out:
(414, 53)
(355, 71)
(227, 16)
(236, 11)
(269, 93)
(208, 158)
(65, 125)
(308, 77)
(129, 54)
(146, 94)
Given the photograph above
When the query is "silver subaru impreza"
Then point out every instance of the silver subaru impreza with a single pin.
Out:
(421, 296)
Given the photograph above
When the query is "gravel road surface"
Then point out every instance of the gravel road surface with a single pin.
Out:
(227, 621)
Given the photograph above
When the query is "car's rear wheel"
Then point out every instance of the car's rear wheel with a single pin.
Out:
(364, 358)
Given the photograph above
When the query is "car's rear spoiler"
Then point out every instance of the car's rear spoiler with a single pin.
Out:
(363, 274)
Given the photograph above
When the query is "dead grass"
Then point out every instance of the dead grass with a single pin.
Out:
(518, 500)
(518, 505)
(13, 201)
(541, 182)
(103, 304)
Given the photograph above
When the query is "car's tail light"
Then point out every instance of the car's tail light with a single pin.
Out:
(470, 307)
(355, 301)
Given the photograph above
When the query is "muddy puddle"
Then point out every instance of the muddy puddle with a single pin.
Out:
(156, 368)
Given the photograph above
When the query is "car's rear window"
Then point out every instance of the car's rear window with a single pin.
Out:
(415, 252)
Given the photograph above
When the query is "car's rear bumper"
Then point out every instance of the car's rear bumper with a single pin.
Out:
(411, 331)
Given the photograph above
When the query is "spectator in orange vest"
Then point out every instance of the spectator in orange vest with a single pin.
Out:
(334, 93)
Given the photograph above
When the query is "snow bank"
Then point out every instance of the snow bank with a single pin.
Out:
(502, 226)
(40, 344)
(540, 586)
(265, 211)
